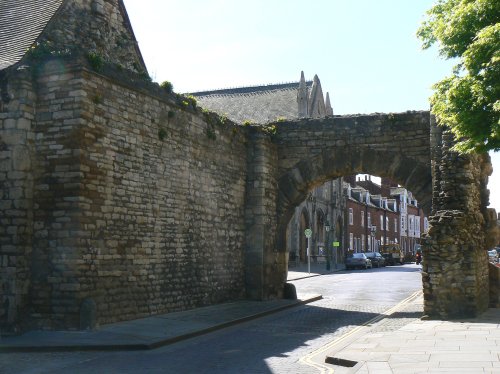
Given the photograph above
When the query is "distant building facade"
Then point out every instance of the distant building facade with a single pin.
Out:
(382, 214)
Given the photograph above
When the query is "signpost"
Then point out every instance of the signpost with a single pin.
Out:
(308, 233)
(336, 246)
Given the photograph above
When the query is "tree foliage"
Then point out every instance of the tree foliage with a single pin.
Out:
(468, 101)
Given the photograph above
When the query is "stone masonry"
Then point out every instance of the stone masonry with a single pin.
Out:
(119, 199)
(455, 265)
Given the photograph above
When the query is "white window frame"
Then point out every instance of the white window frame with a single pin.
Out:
(351, 217)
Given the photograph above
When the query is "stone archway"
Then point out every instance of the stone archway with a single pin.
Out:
(409, 149)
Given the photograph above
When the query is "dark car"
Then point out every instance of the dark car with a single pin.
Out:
(357, 260)
(376, 258)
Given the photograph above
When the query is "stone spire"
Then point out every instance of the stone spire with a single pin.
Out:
(316, 100)
(302, 97)
(329, 109)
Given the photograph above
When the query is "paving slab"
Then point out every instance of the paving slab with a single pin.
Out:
(421, 346)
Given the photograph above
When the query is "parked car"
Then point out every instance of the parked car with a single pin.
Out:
(376, 258)
(493, 256)
(357, 260)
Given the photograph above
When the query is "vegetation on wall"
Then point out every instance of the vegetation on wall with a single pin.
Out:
(167, 86)
(162, 133)
(95, 60)
(97, 99)
(43, 49)
(186, 102)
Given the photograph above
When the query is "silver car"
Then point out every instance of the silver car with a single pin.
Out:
(357, 260)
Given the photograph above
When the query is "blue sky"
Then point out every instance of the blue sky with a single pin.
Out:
(365, 52)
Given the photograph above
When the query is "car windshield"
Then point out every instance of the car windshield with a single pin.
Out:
(358, 255)
(370, 254)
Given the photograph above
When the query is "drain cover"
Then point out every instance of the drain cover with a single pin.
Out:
(340, 362)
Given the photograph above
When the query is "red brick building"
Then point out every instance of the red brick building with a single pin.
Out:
(381, 214)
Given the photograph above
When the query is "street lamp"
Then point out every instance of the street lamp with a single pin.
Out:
(327, 228)
(373, 230)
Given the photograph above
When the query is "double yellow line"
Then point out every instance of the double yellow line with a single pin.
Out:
(308, 359)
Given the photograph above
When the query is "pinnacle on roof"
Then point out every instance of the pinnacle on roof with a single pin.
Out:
(302, 97)
(329, 109)
(316, 100)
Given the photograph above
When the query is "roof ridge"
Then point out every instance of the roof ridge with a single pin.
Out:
(249, 89)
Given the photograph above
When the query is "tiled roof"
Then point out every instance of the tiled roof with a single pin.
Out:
(258, 104)
(21, 22)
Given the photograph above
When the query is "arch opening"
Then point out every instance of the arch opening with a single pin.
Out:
(296, 184)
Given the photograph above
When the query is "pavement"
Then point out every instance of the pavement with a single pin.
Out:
(420, 346)
(159, 330)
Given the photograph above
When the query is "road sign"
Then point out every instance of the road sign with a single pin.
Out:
(308, 233)
(336, 244)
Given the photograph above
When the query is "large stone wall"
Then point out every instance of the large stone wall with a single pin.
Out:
(17, 112)
(118, 200)
(122, 200)
(133, 200)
